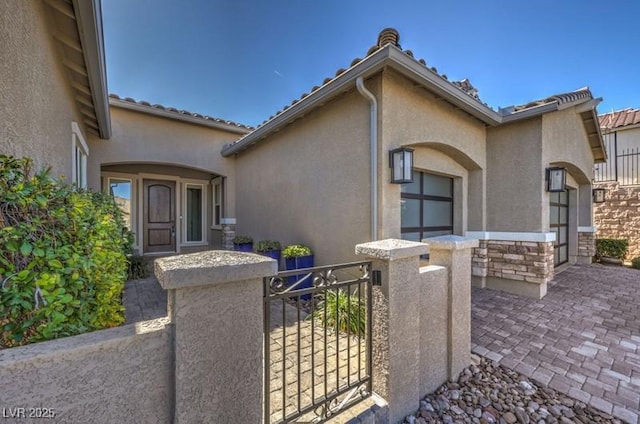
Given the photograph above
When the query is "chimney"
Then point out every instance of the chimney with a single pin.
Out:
(388, 36)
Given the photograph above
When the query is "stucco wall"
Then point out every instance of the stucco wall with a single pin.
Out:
(113, 375)
(36, 104)
(565, 141)
(515, 177)
(411, 116)
(309, 183)
(142, 138)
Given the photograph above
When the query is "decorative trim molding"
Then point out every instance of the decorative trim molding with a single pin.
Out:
(587, 229)
(511, 236)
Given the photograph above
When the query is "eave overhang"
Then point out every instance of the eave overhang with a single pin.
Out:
(388, 56)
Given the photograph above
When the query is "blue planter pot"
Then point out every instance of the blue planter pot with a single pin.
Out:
(244, 247)
(298, 263)
(274, 254)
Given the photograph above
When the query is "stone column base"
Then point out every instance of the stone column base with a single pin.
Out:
(586, 245)
(228, 232)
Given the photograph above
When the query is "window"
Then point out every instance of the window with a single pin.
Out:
(79, 154)
(426, 207)
(194, 213)
(121, 190)
(217, 202)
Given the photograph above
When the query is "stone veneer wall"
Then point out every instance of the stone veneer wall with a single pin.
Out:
(619, 215)
(586, 246)
(514, 260)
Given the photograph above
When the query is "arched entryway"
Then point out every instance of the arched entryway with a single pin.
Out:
(169, 208)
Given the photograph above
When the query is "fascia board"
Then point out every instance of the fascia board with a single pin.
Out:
(530, 113)
(365, 68)
(89, 23)
(149, 110)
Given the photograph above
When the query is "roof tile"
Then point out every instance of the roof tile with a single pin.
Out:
(620, 118)
(179, 112)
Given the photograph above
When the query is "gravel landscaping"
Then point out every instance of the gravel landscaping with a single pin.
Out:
(490, 393)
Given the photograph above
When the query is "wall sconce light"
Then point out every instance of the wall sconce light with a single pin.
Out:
(556, 179)
(598, 195)
(401, 164)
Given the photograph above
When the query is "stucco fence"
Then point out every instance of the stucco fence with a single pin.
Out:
(205, 361)
(619, 215)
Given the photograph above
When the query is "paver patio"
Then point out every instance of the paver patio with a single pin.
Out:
(582, 339)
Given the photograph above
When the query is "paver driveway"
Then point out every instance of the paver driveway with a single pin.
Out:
(582, 339)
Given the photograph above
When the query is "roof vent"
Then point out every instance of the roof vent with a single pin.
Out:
(388, 36)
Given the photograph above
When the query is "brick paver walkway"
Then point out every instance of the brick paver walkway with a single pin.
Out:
(582, 339)
(143, 300)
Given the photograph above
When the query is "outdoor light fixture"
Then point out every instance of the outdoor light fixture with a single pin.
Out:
(401, 163)
(598, 195)
(556, 179)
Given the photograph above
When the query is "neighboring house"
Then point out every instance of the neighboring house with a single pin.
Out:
(53, 83)
(318, 172)
(619, 215)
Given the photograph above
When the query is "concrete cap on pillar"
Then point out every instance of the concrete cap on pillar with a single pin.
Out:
(211, 268)
(451, 242)
(391, 249)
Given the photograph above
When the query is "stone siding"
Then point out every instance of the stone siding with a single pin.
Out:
(514, 260)
(586, 245)
(619, 216)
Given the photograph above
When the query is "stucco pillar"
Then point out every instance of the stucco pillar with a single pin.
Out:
(454, 253)
(228, 232)
(396, 328)
(216, 308)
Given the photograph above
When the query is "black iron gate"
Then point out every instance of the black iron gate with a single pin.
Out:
(317, 341)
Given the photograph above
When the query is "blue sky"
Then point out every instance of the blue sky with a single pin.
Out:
(245, 60)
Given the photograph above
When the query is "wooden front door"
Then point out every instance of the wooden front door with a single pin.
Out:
(159, 216)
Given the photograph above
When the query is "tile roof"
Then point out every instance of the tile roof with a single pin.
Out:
(386, 36)
(572, 96)
(620, 118)
(179, 112)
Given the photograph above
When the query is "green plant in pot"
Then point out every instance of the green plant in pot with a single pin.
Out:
(243, 244)
(270, 248)
(297, 256)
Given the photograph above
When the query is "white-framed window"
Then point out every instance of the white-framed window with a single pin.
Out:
(217, 202)
(124, 189)
(79, 155)
(194, 213)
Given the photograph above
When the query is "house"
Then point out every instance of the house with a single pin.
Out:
(618, 216)
(53, 83)
(319, 169)
(317, 172)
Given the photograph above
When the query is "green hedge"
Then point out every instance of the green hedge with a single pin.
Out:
(62, 257)
(635, 263)
(613, 248)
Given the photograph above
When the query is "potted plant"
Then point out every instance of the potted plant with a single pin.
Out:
(270, 248)
(297, 256)
(243, 244)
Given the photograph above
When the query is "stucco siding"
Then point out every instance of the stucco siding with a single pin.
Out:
(36, 104)
(446, 141)
(139, 138)
(114, 375)
(565, 140)
(515, 177)
(309, 183)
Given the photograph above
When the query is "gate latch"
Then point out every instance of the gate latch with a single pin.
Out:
(376, 277)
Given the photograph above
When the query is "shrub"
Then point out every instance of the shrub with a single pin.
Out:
(296, 250)
(62, 257)
(266, 245)
(635, 263)
(613, 248)
(242, 240)
(344, 312)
